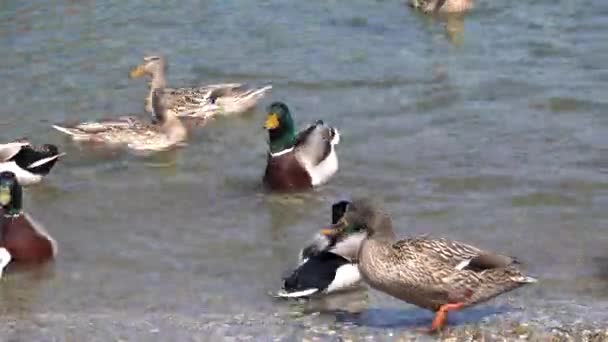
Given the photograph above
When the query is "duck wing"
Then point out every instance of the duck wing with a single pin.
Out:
(315, 143)
(457, 254)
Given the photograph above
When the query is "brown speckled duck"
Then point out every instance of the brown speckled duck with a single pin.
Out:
(197, 102)
(298, 162)
(436, 274)
(164, 134)
(22, 240)
(442, 6)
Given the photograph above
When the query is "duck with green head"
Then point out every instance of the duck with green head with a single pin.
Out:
(327, 265)
(22, 240)
(298, 161)
(437, 274)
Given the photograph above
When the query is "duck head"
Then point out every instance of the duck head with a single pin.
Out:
(345, 245)
(280, 127)
(151, 66)
(10, 193)
(362, 216)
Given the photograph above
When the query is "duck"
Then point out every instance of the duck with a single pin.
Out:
(22, 240)
(198, 102)
(165, 133)
(437, 274)
(298, 162)
(29, 163)
(326, 265)
(442, 6)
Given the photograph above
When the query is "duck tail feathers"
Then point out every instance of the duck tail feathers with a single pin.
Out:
(45, 160)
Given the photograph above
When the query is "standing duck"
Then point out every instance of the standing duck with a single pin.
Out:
(298, 162)
(327, 265)
(198, 102)
(442, 6)
(167, 132)
(29, 163)
(22, 240)
(436, 274)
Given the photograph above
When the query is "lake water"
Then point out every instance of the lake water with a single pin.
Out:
(490, 129)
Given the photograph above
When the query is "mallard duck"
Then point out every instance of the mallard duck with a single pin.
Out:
(326, 265)
(442, 6)
(166, 133)
(436, 274)
(298, 162)
(22, 240)
(198, 102)
(29, 163)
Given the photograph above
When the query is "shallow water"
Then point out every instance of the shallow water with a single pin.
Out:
(490, 130)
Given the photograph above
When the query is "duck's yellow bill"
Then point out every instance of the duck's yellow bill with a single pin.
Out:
(272, 121)
(328, 231)
(5, 195)
(136, 72)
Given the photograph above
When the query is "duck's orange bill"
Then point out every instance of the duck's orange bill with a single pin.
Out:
(136, 72)
(328, 231)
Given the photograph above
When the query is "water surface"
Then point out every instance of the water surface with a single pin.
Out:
(489, 129)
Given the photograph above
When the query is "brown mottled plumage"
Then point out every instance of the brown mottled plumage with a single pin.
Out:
(197, 102)
(166, 133)
(442, 6)
(436, 274)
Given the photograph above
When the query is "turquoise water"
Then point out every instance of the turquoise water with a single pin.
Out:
(489, 129)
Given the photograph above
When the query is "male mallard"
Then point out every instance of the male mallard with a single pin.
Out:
(22, 240)
(327, 265)
(437, 274)
(298, 162)
(30, 164)
(166, 133)
(199, 102)
(442, 6)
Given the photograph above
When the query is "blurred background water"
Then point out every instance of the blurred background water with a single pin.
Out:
(490, 129)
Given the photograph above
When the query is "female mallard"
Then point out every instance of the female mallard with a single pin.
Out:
(436, 274)
(22, 240)
(298, 162)
(199, 102)
(166, 133)
(442, 6)
(327, 265)
(30, 164)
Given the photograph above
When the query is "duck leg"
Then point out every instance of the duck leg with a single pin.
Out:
(442, 314)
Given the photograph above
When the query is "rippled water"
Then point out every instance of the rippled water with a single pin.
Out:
(489, 129)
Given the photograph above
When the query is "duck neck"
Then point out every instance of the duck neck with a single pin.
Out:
(157, 81)
(173, 128)
(13, 208)
(281, 138)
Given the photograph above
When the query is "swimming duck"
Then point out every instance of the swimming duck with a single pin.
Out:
(166, 133)
(327, 265)
(198, 102)
(442, 6)
(298, 162)
(436, 274)
(30, 164)
(22, 240)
